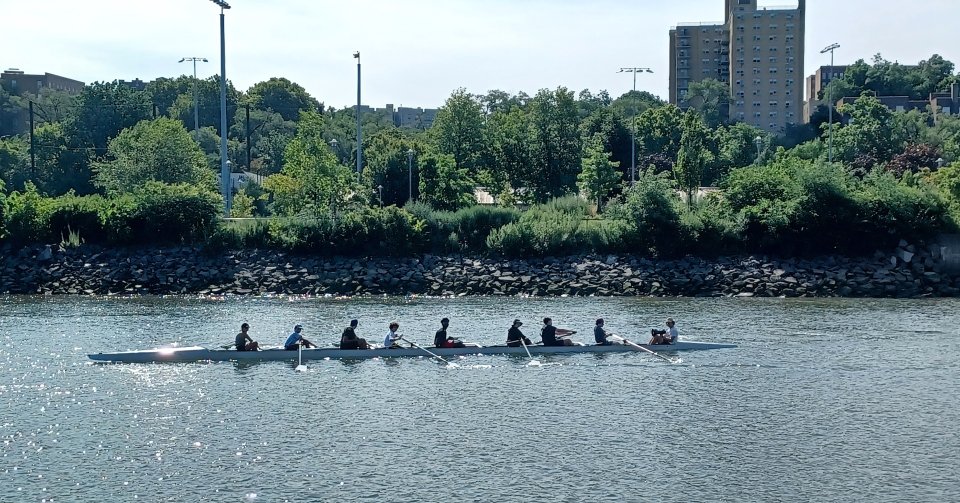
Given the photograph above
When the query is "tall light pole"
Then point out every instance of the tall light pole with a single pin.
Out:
(830, 48)
(633, 127)
(196, 104)
(224, 168)
(758, 141)
(359, 133)
(410, 153)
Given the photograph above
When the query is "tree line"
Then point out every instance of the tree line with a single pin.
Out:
(112, 148)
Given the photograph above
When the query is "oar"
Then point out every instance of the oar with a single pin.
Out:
(431, 353)
(533, 362)
(654, 353)
(300, 366)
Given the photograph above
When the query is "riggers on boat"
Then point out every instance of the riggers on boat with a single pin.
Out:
(200, 354)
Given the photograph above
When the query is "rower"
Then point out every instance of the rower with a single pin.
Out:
(668, 336)
(553, 336)
(441, 340)
(297, 340)
(515, 337)
(390, 341)
(600, 334)
(243, 337)
(349, 339)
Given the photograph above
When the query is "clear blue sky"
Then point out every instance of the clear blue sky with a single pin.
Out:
(415, 52)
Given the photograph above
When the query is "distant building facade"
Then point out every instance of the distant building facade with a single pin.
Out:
(815, 84)
(757, 52)
(404, 117)
(938, 104)
(17, 81)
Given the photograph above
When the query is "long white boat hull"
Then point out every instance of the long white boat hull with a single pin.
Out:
(199, 354)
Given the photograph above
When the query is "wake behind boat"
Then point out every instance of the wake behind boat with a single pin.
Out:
(201, 354)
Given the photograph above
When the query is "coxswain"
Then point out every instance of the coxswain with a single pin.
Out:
(515, 337)
(553, 336)
(668, 336)
(296, 340)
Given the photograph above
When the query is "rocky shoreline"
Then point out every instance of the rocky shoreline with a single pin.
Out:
(909, 271)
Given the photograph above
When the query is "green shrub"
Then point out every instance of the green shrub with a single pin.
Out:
(558, 227)
(891, 210)
(650, 214)
(159, 213)
(80, 215)
(27, 216)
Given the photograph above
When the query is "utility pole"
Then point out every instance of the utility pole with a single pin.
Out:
(225, 184)
(33, 155)
(196, 99)
(359, 131)
(830, 48)
(633, 126)
(247, 129)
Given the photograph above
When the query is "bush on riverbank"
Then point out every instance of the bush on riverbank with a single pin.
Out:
(157, 213)
(791, 206)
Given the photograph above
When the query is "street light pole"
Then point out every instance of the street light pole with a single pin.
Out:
(225, 184)
(830, 48)
(359, 132)
(758, 141)
(410, 174)
(633, 127)
(196, 105)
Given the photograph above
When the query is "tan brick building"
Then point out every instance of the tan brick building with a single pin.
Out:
(756, 51)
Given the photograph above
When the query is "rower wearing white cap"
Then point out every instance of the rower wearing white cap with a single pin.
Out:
(296, 339)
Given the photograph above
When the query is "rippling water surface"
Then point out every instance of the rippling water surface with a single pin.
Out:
(825, 400)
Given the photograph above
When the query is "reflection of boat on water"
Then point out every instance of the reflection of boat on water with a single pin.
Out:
(200, 354)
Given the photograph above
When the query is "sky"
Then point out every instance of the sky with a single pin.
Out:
(416, 52)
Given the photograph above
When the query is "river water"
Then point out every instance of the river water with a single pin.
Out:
(823, 400)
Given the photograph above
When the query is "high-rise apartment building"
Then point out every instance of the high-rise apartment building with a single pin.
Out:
(757, 52)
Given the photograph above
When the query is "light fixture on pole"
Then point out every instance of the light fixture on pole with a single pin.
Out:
(380, 192)
(224, 167)
(359, 132)
(830, 48)
(633, 126)
(758, 141)
(410, 153)
(196, 104)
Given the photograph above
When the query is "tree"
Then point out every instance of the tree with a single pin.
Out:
(659, 131)
(458, 130)
(555, 135)
(508, 137)
(311, 180)
(692, 157)
(932, 75)
(914, 157)
(501, 101)
(388, 165)
(208, 99)
(873, 134)
(711, 99)
(599, 175)
(611, 125)
(634, 103)
(443, 185)
(283, 97)
(155, 150)
(104, 109)
(736, 149)
(14, 162)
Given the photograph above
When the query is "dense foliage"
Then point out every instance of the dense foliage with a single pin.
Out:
(116, 165)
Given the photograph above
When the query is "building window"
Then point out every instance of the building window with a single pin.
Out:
(773, 82)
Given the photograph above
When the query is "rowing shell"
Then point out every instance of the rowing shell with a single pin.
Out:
(200, 354)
